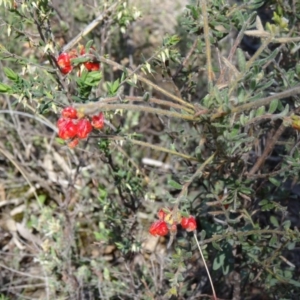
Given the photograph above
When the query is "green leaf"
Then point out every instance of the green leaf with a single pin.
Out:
(294, 282)
(80, 60)
(274, 221)
(273, 106)
(174, 184)
(287, 224)
(42, 199)
(225, 269)
(60, 141)
(10, 74)
(273, 241)
(251, 114)
(291, 246)
(275, 181)
(260, 111)
(241, 60)
(202, 235)
(284, 112)
(218, 261)
(88, 45)
(4, 88)
(217, 246)
(263, 202)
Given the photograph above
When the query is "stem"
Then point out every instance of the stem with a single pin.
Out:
(22, 171)
(205, 265)
(195, 175)
(244, 233)
(159, 101)
(184, 191)
(93, 107)
(284, 40)
(263, 46)
(210, 72)
(269, 147)
(261, 102)
(187, 58)
(265, 101)
(89, 28)
(146, 81)
(259, 51)
(157, 148)
(239, 37)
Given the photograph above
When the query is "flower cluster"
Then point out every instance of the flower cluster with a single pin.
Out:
(65, 63)
(168, 223)
(72, 127)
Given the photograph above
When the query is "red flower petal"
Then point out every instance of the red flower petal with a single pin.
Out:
(159, 228)
(64, 63)
(67, 129)
(98, 121)
(189, 223)
(84, 127)
(69, 112)
(61, 122)
(92, 66)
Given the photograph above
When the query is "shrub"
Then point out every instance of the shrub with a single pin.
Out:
(203, 133)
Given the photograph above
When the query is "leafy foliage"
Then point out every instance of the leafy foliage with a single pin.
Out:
(206, 126)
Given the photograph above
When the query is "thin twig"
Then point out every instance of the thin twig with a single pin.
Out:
(92, 107)
(269, 147)
(89, 27)
(157, 148)
(23, 172)
(39, 119)
(185, 188)
(211, 75)
(258, 103)
(187, 58)
(271, 174)
(206, 268)
(99, 106)
(228, 234)
(21, 273)
(146, 81)
(239, 37)
(249, 64)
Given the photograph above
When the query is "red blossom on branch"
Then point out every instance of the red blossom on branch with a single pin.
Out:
(189, 224)
(72, 127)
(159, 228)
(168, 223)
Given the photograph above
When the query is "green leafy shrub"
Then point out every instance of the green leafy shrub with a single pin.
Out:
(203, 132)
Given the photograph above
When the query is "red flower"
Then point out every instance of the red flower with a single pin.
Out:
(84, 127)
(98, 121)
(67, 129)
(91, 65)
(69, 112)
(61, 122)
(159, 228)
(189, 223)
(64, 63)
